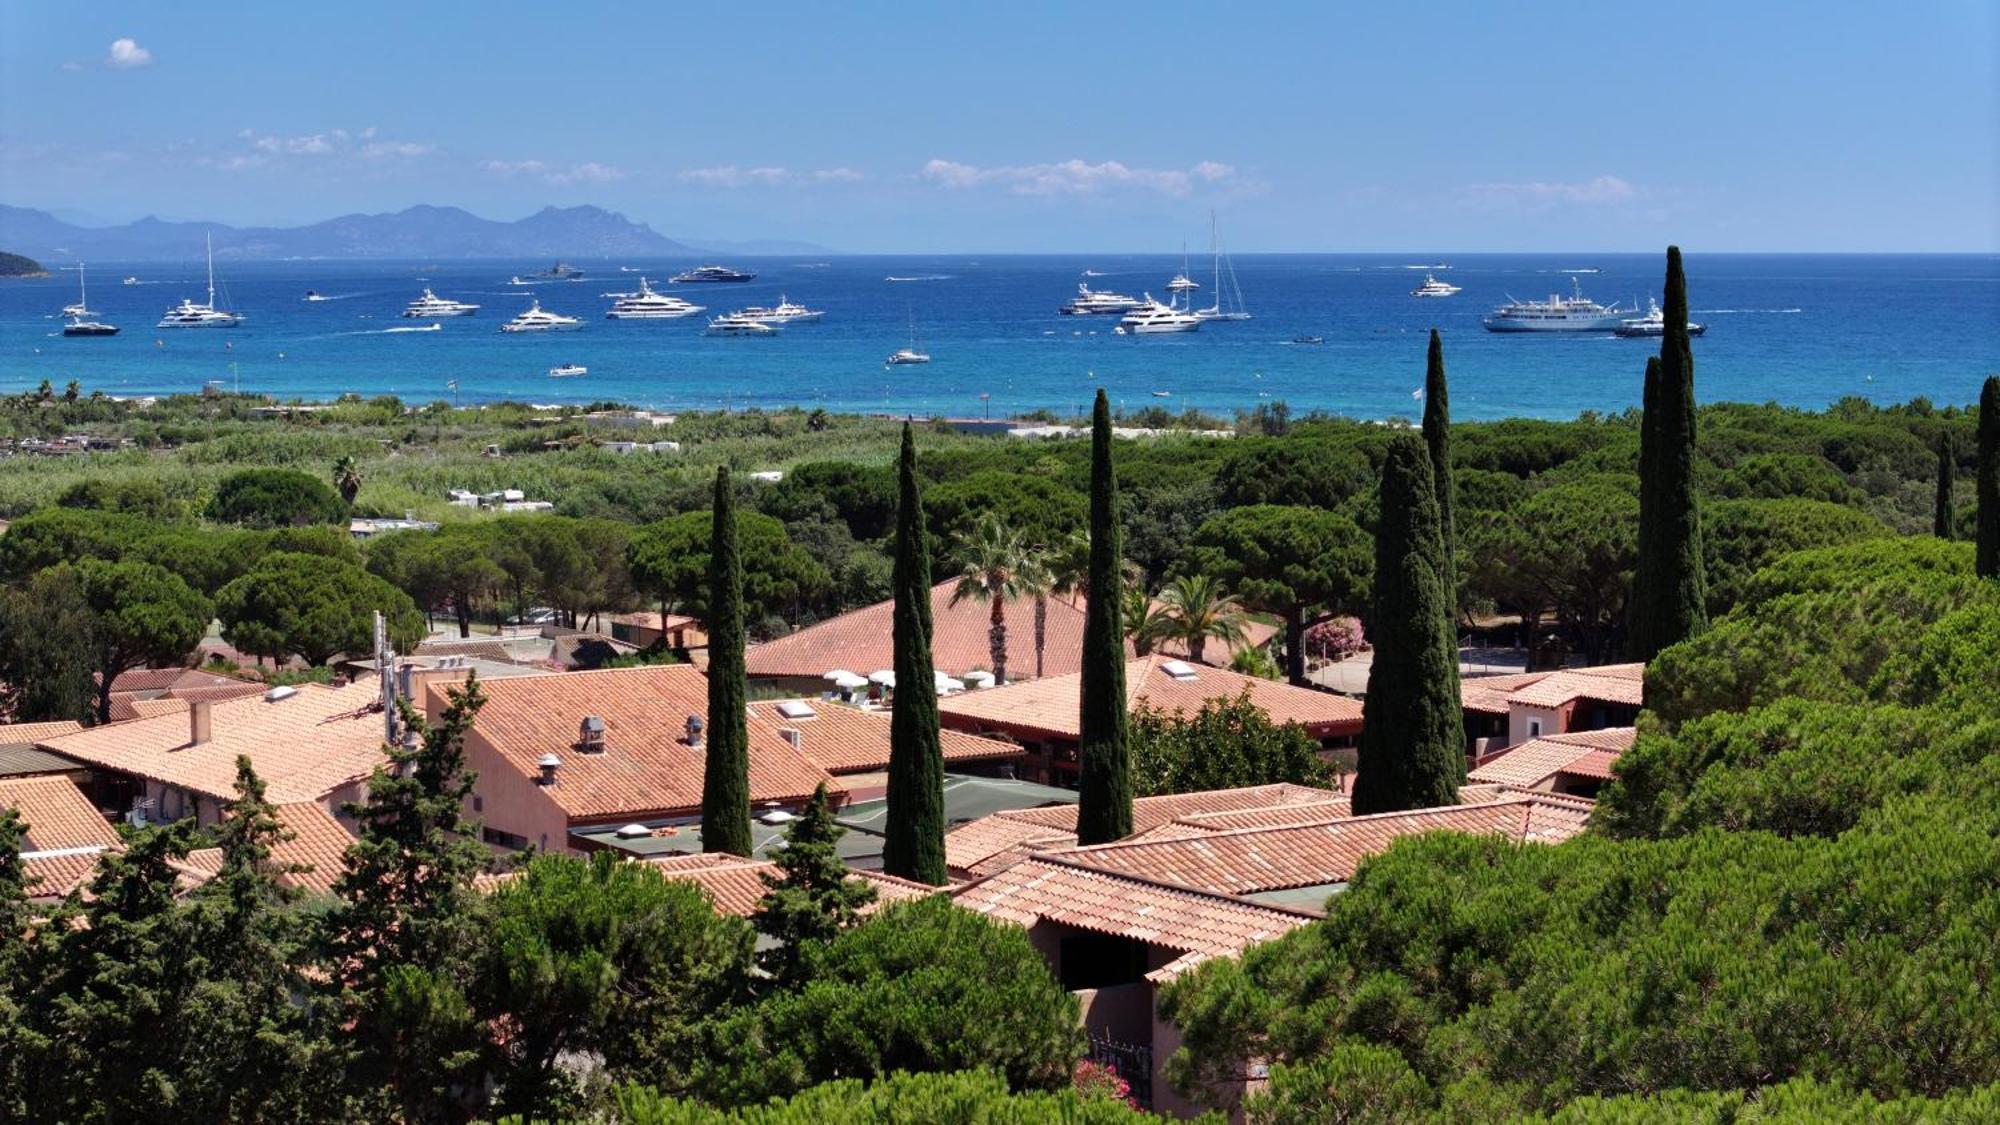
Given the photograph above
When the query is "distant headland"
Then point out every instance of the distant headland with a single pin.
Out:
(14, 265)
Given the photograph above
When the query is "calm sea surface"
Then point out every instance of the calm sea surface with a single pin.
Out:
(1801, 330)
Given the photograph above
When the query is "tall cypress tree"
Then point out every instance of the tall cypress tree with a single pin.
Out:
(1942, 516)
(913, 846)
(1670, 589)
(725, 783)
(1986, 483)
(1412, 752)
(1437, 436)
(1104, 803)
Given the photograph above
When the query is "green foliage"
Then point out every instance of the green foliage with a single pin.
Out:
(1412, 748)
(1778, 476)
(275, 498)
(913, 846)
(1437, 439)
(1228, 744)
(973, 1097)
(1741, 537)
(313, 607)
(1669, 589)
(725, 787)
(1289, 561)
(919, 986)
(1986, 480)
(1352, 1082)
(1306, 474)
(47, 659)
(1104, 806)
(813, 899)
(669, 562)
(138, 615)
(1569, 547)
(992, 561)
(1194, 610)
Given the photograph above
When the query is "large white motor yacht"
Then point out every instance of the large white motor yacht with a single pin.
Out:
(188, 314)
(1097, 302)
(649, 305)
(537, 319)
(430, 306)
(784, 312)
(1574, 313)
(1152, 317)
(1432, 287)
(736, 324)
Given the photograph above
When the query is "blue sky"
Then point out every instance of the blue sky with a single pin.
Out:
(1034, 127)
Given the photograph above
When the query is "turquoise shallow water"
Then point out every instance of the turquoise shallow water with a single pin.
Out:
(1802, 330)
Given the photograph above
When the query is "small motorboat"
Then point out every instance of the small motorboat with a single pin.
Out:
(311, 295)
(1163, 394)
(906, 355)
(568, 371)
(1308, 339)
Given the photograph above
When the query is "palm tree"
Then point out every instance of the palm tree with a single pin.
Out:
(1196, 608)
(347, 478)
(990, 571)
(1054, 571)
(1145, 621)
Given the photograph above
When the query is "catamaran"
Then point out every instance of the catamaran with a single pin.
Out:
(188, 314)
(1228, 296)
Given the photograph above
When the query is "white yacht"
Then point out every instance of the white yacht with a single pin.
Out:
(649, 305)
(1432, 287)
(132, 281)
(1097, 302)
(536, 319)
(81, 308)
(784, 312)
(1653, 324)
(711, 274)
(736, 324)
(1574, 313)
(1228, 294)
(1152, 318)
(911, 354)
(188, 314)
(568, 371)
(431, 305)
(1182, 283)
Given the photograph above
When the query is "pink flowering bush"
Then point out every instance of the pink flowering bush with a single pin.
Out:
(1336, 638)
(1094, 1079)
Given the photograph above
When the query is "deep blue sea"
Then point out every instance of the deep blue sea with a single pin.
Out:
(1801, 330)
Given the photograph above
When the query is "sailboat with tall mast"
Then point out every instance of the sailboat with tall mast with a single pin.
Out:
(911, 354)
(1181, 288)
(79, 314)
(188, 314)
(1228, 294)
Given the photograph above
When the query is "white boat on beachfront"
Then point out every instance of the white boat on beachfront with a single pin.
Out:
(736, 324)
(1432, 287)
(649, 305)
(430, 306)
(537, 319)
(189, 314)
(1154, 318)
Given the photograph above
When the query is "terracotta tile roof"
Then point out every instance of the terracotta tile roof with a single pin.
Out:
(1490, 693)
(1199, 924)
(319, 843)
(1282, 816)
(737, 885)
(843, 739)
(1049, 707)
(1596, 765)
(860, 641)
(1616, 683)
(125, 710)
(1534, 762)
(147, 679)
(53, 876)
(652, 620)
(990, 843)
(484, 650)
(28, 734)
(303, 746)
(646, 768)
(57, 815)
(1254, 860)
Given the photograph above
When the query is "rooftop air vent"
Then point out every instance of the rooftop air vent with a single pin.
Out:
(776, 816)
(633, 832)
(281, 692)
(590, 735)
(694, 729)
(547, 763)
(1179, 670)
(796, 709)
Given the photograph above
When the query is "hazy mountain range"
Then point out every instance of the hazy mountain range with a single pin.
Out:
(414, 232)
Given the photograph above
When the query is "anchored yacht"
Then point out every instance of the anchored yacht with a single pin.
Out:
(1654, 323)
(911, 354)
(1097, 302)
(648, 305)
(188, 314)
(1432, 287)
(568, 371)
(1228, 294)
(784, 312)
(736, 324)
(81, 308)
(430, 305)
(536, 319)
(711, 273)
(1575, 313)
(1152, 318)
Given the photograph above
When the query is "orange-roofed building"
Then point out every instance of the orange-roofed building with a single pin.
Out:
(563, 752)
(1043, 716)
(853, 744)
(309, 744)
(65, 833)
(1578, 763)
(646, 629)
(19, 756)
(862, 642)
(736, 885)
(312, 860)
(1503, 711)
(185, 684)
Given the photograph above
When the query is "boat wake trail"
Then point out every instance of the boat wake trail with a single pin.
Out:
(922, 277)
(1726, 312)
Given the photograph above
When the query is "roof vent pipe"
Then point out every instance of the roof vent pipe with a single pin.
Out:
(694, 729)
(547, 763)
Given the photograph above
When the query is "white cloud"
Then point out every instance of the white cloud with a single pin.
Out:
(588, 172)
(1078, 177)
(126, 54)
(1541, 195)
(731, 176)
(333, 144)
(72, 67)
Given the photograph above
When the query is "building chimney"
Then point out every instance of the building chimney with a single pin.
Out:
(201, 724)
(796, 737)
(548, 764)
(590, 735)
(694, 729)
